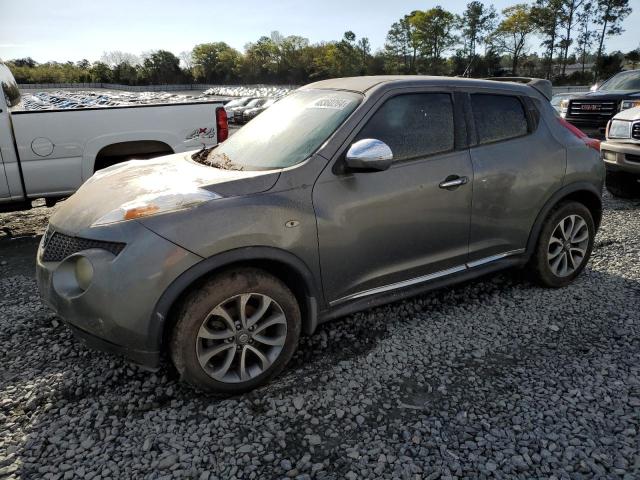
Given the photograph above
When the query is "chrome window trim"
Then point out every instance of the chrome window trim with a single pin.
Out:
(427, 278)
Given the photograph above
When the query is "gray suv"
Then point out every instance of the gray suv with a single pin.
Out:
(344, 195)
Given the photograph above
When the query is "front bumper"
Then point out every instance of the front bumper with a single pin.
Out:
(114, 312)
(621, 157)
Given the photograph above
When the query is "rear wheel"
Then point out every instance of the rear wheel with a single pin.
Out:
(623, 184)
(564, 245)
(236, 332)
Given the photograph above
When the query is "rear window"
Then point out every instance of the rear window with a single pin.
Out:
(413, 125)
(498, 117)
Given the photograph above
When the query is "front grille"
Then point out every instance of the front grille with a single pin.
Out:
(632, 158)
(58, 246)
(635, 131)
(591, 110)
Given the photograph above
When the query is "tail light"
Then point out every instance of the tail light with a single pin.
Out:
(589, 142)
(222, 126)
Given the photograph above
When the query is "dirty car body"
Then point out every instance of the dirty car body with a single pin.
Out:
(461, 197)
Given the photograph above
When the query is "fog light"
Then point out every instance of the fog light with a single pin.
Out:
(609, 156)
(84, 272)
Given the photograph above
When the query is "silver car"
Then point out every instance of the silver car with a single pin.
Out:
(344, 195)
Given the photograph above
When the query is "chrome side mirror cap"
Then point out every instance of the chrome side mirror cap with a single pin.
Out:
(369, 154)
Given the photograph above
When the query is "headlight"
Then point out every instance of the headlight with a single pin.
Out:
(620, 129)
(626, 104)
(154, 204)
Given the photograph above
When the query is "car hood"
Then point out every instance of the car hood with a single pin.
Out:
(612, 94)
(630, 114)
(125, 182)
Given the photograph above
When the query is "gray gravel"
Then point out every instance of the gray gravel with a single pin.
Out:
(496, 378)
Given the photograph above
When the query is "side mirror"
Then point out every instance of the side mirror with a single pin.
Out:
(369, 154)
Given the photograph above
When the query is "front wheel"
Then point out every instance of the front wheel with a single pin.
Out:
(564, 245)
(236, 332)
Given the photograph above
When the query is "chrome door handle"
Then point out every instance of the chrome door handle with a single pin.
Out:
(453, 181)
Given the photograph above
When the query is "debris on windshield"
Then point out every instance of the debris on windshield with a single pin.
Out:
(205, 156)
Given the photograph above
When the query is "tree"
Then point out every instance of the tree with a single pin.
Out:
(400, 49)
(100, 72)
(215, 62)
(545, 15)
(586, 35)
(117, 57)
(476, 22)
(568, 16)
(511, 35)
(609, 14)
(434, 33)
(162, 67)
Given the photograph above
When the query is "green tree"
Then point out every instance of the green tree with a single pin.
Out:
(476, 22)
(434, 32)
(100, 72)
(586, 35)
(609, 14)
(401, 47)
(162, 67)
(215, 62)
(545, 15)
(513, 31)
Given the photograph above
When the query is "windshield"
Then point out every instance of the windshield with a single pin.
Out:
(9, 86)
(287, 133)
(255, 103)
(623, 81)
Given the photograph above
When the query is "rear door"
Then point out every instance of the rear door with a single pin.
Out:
(382, 231)
(517, 166)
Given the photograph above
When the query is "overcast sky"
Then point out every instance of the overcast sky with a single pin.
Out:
(72, 30)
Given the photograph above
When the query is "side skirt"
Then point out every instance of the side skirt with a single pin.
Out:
(349, 306)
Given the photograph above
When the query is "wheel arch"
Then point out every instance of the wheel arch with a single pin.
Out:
(582, 192)
(279, 263)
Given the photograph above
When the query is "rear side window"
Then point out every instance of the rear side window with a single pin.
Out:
(413, 125)
(498, 117)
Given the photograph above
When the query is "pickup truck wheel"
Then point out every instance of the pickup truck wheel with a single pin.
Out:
(236, 332)
(564, 245)
(623, 184)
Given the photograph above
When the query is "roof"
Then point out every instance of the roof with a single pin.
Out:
(366, 83)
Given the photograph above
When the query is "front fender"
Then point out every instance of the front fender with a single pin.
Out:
(244, 256)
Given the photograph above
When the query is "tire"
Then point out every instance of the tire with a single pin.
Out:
(623, 184)
(203, 328)
(546, 264)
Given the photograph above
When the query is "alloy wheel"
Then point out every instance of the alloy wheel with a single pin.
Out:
(241, 337)
(568, 245)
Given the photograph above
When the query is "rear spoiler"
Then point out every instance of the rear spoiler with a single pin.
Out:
(540, 84)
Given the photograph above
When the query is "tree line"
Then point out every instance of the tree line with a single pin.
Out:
(479, 42)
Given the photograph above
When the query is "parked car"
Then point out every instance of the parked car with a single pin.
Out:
(50, 153)
(621, 154)
(591, 111)
(238, 112)
(251, 113)
(231, 106)
(372, 189)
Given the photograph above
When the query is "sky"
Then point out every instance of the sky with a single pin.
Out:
(64, 30)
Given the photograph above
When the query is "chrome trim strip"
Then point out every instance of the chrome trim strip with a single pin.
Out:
(493, 258)
(426, 278)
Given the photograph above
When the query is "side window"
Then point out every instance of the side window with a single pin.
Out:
(498, 117)
(413, 125)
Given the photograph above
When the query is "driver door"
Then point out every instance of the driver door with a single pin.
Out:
(381, 231)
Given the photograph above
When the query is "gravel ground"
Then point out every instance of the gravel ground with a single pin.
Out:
(491, 379)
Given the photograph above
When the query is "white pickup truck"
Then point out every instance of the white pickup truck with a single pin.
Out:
(621, 154)
(50, 153)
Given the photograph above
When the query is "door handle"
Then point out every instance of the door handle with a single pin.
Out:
(453, 181)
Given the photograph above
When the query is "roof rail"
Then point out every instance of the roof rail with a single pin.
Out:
(540, 84)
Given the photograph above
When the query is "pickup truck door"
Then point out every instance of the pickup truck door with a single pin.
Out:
(378, 231)
(4, 185)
